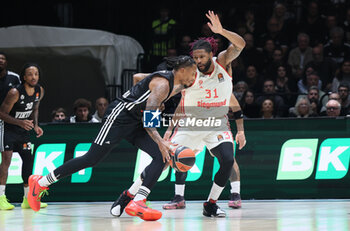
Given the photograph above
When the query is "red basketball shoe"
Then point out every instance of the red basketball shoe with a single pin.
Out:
(140, 209)
(35, 192)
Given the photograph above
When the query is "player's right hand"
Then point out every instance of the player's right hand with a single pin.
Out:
(27, 124)
(165, 149)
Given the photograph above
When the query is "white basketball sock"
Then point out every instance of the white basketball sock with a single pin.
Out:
(215, 192)
(235, 187)
(2, 189)
(135, 186)
(47, 180)
(180, 189)
(142, 193)
(26, 190)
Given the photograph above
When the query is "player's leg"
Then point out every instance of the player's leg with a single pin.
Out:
(6, 157)
(24, 151)
(178, 202)
(4, 166)
(224, 154)
(235, 183)
(109, 135)
(149, 177)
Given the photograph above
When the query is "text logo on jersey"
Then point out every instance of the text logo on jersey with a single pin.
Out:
(151, 118)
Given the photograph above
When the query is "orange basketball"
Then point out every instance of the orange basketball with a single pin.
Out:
(182, 159)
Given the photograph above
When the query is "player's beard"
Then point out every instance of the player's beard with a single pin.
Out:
(206, 67)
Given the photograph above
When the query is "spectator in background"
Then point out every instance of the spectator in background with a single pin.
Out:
(101, 105)
(333, 96)
(249, 107)
(269, 92)
(239, 88)
(277, 60)
(59, 115)
(346, 26)
(333, 108)
(253, 79)
(285, 20)
(337, 49)
(285, 85)
(302, 109)
(343, 91)
(184, 46)
(309, 79)
(314, 97)
(300, 56)
(274, 32)
(331, 22)
(171, 52)
(267, 50)
(267, 109)
(312, 23)
(324, 66)
(163, 36)
(238, 70)
(82, 108)
(343, 76)
(250, 54)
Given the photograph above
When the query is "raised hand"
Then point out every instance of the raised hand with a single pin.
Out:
(214, 24)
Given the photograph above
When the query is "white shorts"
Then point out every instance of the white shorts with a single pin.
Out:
(196, 140)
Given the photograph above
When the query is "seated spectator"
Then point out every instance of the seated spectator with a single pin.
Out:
(267, 109)
(333, 108)
(312, 79)
(302, 109)
(253, 79)
(343, 76)
(285, 84)
(343, 91)
(334, 96)
(249, 107)
(337, 49)
(101, 106)
(324, 66)
(277, 60)
(184, 46)
(171, 52)
(269, 92)
(267, 50)
(250, 55)
(59, 115)
(82, 109)
(298, 57)
(239, 88)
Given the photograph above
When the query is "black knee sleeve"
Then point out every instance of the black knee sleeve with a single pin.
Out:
(180, 177)
(27, 165)
(224, 153)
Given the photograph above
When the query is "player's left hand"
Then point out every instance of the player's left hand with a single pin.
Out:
(240, 139)
(214, 24)
(39, 132)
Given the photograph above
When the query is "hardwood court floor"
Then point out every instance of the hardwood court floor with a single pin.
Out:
(281, 215)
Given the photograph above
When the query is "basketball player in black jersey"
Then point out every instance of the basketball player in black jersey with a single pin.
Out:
(8, 80)
(123, 120)
(20, 111)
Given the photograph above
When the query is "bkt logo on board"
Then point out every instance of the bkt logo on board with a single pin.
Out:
(297, 159)
(151, 118)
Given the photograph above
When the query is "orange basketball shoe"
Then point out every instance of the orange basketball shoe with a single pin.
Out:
(140, 209)
(35, 192)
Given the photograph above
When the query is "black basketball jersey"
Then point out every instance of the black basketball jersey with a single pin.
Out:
(23, 108)
(135, 99)
(9, 81)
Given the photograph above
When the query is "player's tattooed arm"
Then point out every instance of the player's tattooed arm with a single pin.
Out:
(159, 92)
(10, 100)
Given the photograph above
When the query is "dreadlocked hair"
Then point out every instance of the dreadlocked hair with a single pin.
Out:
(179, 62)
(209, 44)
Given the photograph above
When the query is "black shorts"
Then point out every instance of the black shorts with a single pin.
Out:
(118, 123)
(16, 141)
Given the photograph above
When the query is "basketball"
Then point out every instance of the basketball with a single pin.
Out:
(182, 158)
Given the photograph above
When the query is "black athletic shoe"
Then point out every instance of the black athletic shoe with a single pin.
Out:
(212, 210)
(177, 203)
(119, 205)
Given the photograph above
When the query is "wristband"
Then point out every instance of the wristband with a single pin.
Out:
(238, 115)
